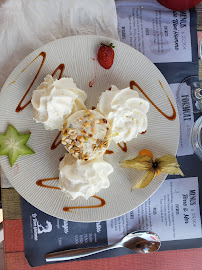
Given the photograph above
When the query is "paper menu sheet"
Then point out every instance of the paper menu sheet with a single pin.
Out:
(159, 33)
(172, 212)
(186, 117)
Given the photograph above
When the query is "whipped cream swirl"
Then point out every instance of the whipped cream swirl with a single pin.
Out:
(125, 111)
(83, 178)
(54, 100)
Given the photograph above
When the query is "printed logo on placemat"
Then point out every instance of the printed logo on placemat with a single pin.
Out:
(37, 228)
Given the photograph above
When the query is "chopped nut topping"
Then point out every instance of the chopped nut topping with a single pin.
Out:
(103, 121)
(75, 148)
(86, 124)
(83, 131)
(106, 143)
(87, 112)
(64, 131)
(67, 145)
(91, 116)
(80, 138)
(86, 157)
(72, 131)
(73, 137)
(67, 140)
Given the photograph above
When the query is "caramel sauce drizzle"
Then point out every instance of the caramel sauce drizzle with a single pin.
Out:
(40, 183)
(143, 132)
(21, 107)
(124, 147)
(61, 67)
(67, 209)
(60, 159)
(172, 117)
(109, 152)
(55, 144)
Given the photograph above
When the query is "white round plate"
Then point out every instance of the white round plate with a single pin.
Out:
(79, 56)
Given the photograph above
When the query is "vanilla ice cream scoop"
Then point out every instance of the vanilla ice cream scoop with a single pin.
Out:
(86, 134)
(54, 100)
(83, 178)
(125, 111)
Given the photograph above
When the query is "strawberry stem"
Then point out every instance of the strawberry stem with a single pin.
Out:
(110, 45)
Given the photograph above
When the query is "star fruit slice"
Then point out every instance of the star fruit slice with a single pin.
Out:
(14, 145)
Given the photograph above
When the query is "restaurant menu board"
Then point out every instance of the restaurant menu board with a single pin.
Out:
(160, 34)
(172, 212)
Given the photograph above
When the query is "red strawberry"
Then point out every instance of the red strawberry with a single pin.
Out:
(106, 55)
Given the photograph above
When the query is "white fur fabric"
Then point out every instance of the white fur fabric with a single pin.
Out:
(26, 25)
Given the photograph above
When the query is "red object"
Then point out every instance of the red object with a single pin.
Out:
(106, 55)
(179, 4)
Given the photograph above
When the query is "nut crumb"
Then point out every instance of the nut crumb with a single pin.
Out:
(83, 131)
(80, 138)
(86, 124)
(91, 116)
(103, 121)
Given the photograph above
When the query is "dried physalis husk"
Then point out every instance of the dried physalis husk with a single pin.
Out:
(142, 163)
(146, 179)
(168, 164)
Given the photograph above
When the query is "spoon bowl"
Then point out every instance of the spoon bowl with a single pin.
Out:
(137, 241)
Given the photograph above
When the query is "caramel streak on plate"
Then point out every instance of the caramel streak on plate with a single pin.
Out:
(124, 147)
(109, 152)
(61, 67)
(19, 107)
(40, 182)
(55, 144)
(67, 209)
(172, 117)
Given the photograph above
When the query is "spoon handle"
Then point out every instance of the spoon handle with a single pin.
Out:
(72, 254)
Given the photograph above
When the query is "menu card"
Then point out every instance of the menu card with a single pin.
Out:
(172, 212)
(160, 34)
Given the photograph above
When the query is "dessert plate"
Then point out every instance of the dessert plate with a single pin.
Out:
(76, 57)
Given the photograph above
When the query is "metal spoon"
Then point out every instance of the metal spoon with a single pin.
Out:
(138, 241)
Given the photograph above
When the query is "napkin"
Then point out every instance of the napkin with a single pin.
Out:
(26, 25)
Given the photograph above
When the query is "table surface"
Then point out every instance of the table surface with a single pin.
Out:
(188, 259)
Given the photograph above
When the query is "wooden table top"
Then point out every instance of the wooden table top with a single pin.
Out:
(188, 259)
